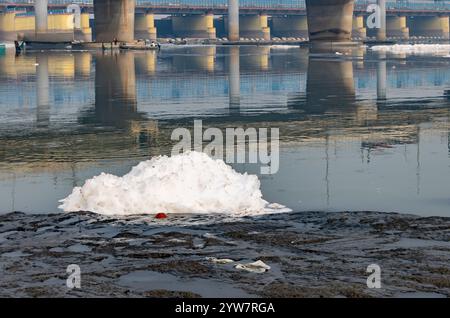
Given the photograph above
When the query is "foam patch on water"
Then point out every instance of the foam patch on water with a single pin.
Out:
(434, 49)
(187, 183)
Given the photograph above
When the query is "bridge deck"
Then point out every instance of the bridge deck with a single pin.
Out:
(271, 7)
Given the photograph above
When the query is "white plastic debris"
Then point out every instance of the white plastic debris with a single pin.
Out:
(175, 240)
(256, 267)
(221, 261)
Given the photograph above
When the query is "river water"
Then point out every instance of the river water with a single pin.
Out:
(359, 130)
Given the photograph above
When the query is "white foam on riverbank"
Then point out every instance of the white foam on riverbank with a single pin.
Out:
(433, 49)
(186, 183)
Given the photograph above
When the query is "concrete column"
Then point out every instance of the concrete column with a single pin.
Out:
(41, 13)
(194, 26)
(265, 26)
(330, 20)
(76, 11)
(290, 26)
(42, 91)
(396, 27)
(233, 20)
(210, 29)
(429, 26)
(114, 19)
(145, 26)
(358, 29)
(381, 32)
(8, 26)
(254, 26)
(234, 79)
(85, 32)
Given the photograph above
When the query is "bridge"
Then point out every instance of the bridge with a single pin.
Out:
(334, 20)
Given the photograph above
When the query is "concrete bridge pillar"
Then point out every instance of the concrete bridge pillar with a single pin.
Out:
(429, 26)
(358, 29)
(8, 26)
(194, 26)
(114, 19)
(381, 31)
(41, 13)
(145, 26)
(233, 20)
(290, 26)
(254, 26)
(396, 27)
(84, 33)
(330, 20)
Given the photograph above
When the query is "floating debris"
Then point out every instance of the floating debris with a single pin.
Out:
(221, 261)
(161, 216)
(256, 267)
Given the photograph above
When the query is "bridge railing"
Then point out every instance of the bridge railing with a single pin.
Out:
(418, 5)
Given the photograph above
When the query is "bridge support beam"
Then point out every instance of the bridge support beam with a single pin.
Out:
(290, 26)
(114, 19)
(194, 26)
(429, 26)
(8, 26)
(145, 26)
(85, 32)
(381, 31)
(233, 20)
(330, 20)
(41, 13)
(396, 27)
(358, 30)
(254, 26)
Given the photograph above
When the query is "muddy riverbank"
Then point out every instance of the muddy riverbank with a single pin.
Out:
(309, 254)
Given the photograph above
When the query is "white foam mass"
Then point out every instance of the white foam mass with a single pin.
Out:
(434, 49)
(187, 183)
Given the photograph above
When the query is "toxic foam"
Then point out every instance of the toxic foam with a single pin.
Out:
(187, 183)
(433, 49)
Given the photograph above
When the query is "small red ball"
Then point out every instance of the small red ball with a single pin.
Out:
(161, 216)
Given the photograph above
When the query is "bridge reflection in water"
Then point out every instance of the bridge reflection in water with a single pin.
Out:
(71, 116)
